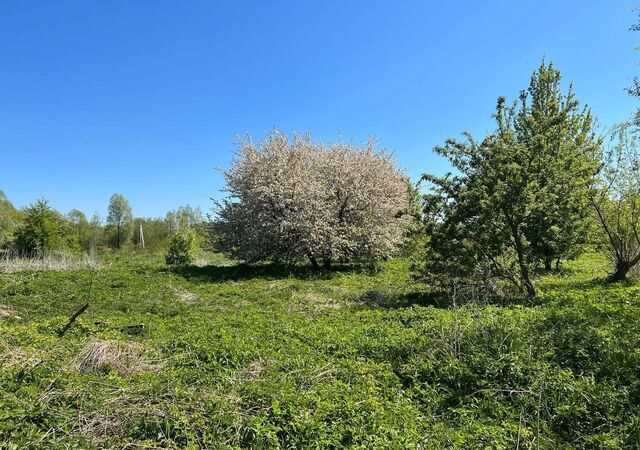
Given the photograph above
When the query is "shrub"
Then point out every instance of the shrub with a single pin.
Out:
(182, 248)
(291, 200)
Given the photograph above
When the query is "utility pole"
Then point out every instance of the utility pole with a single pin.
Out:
(141, 236)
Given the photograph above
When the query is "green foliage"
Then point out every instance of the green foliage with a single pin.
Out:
(286, 357)
(43, 229)
(82, 229)
(183, 247)
(119, 220)
(9, 218)
(183, 217)
(520, 196)
(154, 230)
(616, 200)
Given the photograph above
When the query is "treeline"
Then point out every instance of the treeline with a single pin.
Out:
(38, 228)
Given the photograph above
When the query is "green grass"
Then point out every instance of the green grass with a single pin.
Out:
(237, 357)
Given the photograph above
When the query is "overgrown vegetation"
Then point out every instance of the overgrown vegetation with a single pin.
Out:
(499, 309)
(268, 356)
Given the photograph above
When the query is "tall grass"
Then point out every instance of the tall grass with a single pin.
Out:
(13, 261)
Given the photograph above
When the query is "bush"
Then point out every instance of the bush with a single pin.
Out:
(182, 248)
(293, 200)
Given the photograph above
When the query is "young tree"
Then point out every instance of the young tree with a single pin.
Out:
(183, 247)
(43, 229)
(558, 135)
(616, 200)
(520, 196)
(120, 219)
(292, 200)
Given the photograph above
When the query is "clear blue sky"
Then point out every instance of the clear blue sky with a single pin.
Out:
(146, 97)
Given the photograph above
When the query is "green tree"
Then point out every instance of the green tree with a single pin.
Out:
(520, 196)
(120, 220)
(558, 135)
(9, 219)
(184, 216)
(154, 230)
(183, 247)
(96, 231)
(43, 229)
(616, 199)
(81, 228)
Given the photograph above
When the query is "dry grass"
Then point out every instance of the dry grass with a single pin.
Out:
(7, 313)
(57, 262)
(125, 357)
(116, 416)
(12, 357)
(185, 296)
(318, 299)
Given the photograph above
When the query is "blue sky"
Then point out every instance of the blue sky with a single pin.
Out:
(146, 97)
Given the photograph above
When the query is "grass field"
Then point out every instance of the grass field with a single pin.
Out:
(228, 356)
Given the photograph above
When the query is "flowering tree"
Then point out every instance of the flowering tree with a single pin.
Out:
(295, 199)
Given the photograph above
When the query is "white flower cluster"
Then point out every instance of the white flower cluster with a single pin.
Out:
(295, 199)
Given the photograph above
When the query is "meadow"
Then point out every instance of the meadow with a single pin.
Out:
(224, 355)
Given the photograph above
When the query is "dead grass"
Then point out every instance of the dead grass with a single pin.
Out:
(125, 357)
(185, 296)
(22, 358)
(318, 299)
(7, 313)
(115, 417)
(57, 262)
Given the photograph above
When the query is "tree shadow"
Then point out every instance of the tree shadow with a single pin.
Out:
(438, 300)
(266, 271)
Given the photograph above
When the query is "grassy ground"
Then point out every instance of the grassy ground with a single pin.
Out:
(229, 356)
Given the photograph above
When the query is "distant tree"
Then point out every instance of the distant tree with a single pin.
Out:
(43, 229)
(120, 219)
(520, 196)
(293, 200)
(182, 248)
(184, 216)
(9, 219)
(616, 199)
(154, 229)
(81, 227)
(96, 231)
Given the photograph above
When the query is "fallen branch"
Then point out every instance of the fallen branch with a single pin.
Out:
(72, 319)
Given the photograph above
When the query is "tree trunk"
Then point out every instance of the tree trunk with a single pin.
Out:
(327, 263)
(522, 264)
(313, 261)
(547, 264)
(558, 263)
(622, 269)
